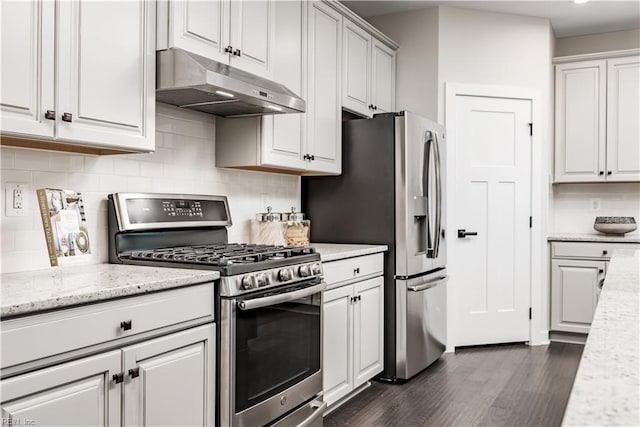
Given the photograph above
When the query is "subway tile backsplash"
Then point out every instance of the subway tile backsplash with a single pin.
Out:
(184, 162)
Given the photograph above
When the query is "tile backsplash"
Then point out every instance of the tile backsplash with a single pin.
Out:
(575, 206)
(184, 162)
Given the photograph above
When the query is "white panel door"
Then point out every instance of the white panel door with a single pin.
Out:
(283, 135)
(383, 78)
(78, 393)
(201, 27)
(580, 122)
(337, 339)
(367, 330)
(106, 73)
(27, 57)
(623, 119)
(174, 382)
(492, 198)
(575, 289)
(324, 126)
(251, 33)
(356, 73)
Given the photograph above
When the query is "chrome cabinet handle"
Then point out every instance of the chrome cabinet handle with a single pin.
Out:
(125, 325)
(134, 373)
(50, 115)
(67, 117)
(251, 304)
(237, 52)
(228, 49)
(118, 378)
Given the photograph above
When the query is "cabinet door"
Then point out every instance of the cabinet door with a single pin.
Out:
(283, 138)
(106, 73)
(383, 78)
(170, 380)
(201, 27)
(367, 330)
(251, 33)
(27, 58)
(580, 121)
(575, 288)
(324, 126)
(80, 393)
(356, 72)
(623, 126)
(337, 336)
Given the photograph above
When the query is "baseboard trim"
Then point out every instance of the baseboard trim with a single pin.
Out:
(568, 337)
(346, 398)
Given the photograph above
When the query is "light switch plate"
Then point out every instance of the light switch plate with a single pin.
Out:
(15, 199)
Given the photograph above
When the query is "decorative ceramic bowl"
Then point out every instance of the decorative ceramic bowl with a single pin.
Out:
(615, 224)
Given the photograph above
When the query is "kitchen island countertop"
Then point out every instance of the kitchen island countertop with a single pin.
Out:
(606, 390)
(594, 237)
(335, 251)
(60, 287)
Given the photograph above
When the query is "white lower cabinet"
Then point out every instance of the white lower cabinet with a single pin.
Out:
(352, 334)
(157, 366)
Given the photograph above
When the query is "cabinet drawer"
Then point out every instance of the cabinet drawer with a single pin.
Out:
(353, 268)
(587, 249)
(34, 337)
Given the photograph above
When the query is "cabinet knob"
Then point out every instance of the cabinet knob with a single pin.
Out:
(237, 52)
(134, 373)
(312, 157)
(375, 108)
(609, 172)
(118, 378)
(605, 252)
(125, 325)
(50, 115)
(356, 270)
(67, 117)
(601, 270)
(228, 49)
(601, 173)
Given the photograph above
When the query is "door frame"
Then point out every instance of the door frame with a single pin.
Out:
(538, 262)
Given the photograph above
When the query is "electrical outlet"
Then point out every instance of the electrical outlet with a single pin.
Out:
(15, 200)
(595, 204)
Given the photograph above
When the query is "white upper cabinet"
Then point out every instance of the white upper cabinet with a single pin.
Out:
(623, 119)
(369, 72)
(235, 32)
(597, 128)
(580, 121)
(106, 92)
(356, 75)
(27, 60)
(324, 126)
(104, 74)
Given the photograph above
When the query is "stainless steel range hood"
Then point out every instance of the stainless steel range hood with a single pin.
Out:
(192, 81)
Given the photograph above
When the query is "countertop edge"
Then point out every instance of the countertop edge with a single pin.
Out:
(335, 252)
(596, 238)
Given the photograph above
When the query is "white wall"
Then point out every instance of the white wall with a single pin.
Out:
(573, 205)
(182, 163)
(417, 58)
(602, 42)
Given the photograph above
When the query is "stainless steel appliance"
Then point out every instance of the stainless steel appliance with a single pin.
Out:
(198, 83)
(269, 299)
(391, 192)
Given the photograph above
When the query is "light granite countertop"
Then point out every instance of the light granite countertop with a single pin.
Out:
(335, 251)
(60, 287)
(606, 391)
(594, 237)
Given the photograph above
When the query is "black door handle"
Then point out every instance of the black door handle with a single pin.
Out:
(462, 233)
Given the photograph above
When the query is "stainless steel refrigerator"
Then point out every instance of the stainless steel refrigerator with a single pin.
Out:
(392, 191)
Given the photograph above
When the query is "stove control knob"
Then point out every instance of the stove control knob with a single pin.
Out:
(246, 283)
(315, 269)
(284, 275)
(304, 271)
(262, 279)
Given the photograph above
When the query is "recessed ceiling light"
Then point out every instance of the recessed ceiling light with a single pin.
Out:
(580, 1)
(227, 94)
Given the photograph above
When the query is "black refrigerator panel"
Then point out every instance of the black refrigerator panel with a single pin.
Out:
(359, 205)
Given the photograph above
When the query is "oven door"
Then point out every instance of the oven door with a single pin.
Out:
(271, 353)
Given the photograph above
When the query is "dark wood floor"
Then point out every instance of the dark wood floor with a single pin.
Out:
(503, 385)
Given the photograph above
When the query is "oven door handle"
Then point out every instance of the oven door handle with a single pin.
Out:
(250, 304)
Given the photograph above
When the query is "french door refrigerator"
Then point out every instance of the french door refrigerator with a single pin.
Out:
(391, 192)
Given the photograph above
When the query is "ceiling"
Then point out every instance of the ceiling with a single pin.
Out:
(567, 18)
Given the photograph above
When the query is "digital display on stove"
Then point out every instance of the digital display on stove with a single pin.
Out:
(144, 211)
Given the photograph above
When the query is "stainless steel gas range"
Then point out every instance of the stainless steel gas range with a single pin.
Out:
(269, 301)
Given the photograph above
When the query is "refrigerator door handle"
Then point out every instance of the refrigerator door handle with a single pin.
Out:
(426, 193)
(428, 285)
(438, 227)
